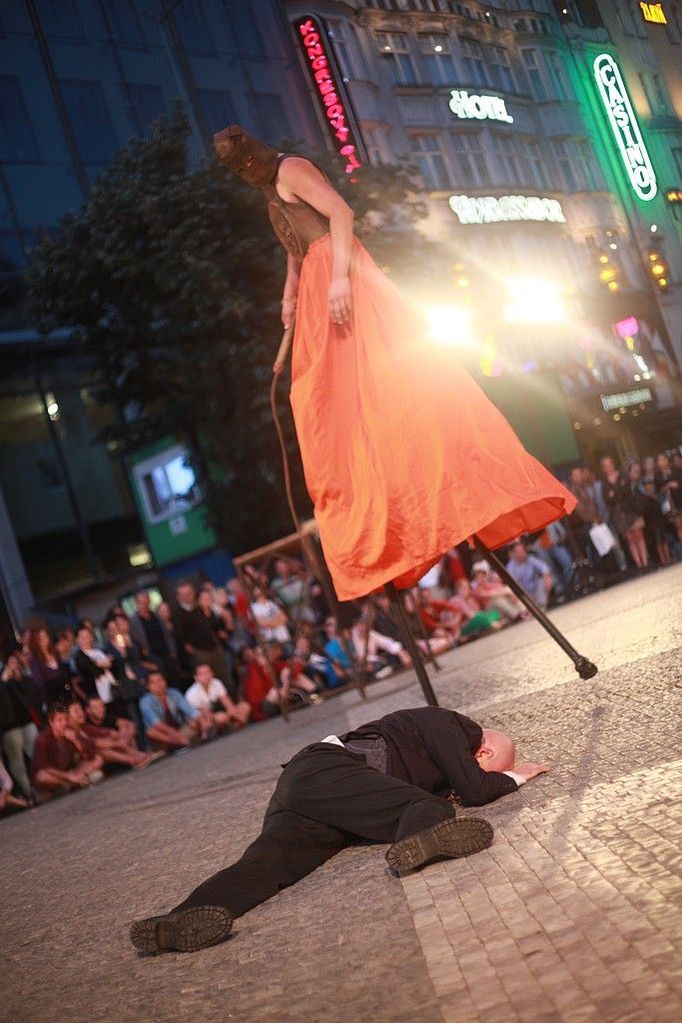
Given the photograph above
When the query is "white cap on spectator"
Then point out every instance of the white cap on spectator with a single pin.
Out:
(480, 566)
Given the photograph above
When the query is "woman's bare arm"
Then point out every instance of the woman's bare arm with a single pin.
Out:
(300, 179)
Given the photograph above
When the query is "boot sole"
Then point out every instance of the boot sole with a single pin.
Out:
(449, 839)
(187, 931)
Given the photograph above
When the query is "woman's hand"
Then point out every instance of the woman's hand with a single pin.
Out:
(288, 312)
(340, 300)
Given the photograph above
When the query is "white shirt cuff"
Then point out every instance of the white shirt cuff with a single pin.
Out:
(518, 778)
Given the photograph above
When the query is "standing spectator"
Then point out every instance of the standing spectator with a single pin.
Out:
(669, 484)
(169, 720)
(655, 523)
(97, 678)
(610, 478)
(552, 548)
(631, 508)
(57, 764)
(20, 728)
(195, 641)
(221, 625)
(51, 678)
(531, 573)
(209, 696)
(152, 635)
(294, 590)
(584, 515)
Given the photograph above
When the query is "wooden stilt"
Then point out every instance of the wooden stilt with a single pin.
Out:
(411, 645)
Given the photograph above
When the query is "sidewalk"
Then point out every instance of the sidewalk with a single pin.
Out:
(574, 915)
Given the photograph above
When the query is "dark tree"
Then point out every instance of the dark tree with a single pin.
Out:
(172, 278)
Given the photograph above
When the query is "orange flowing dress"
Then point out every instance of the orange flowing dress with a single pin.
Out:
(404, 455)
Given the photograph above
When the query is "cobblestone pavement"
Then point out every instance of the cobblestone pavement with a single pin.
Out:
(573, 915)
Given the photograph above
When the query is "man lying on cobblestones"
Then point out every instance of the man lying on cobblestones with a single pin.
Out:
(387, 781)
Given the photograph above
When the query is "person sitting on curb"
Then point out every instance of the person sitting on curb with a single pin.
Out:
(57, 765)
(103, 742)
(170, 722)
(387, 781)
(208, 695)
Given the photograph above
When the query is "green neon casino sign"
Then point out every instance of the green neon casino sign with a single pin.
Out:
(624, 126)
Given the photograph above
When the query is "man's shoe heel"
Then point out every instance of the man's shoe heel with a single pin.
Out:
(186, 931)
(449, 839)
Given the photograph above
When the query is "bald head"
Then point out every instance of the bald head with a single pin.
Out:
(496, 752)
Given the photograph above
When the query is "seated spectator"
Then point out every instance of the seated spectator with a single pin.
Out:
(209, 696)
(381, 654)
(58, 766)
(169, 720)
(96, 715)
(294, 590)
(531, 573)
(51, 678)
(104, 742)
(338, 655)
(552, 548)
(491, 592)
(97, 679)
(442, 620)
(271, 620)
(260, 683)
(476, 620)
(23, 714)
(7, 799)
(305, 672)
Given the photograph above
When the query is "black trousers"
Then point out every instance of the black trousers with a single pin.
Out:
(325, 798)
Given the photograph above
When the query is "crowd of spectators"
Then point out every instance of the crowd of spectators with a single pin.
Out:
(87, 702)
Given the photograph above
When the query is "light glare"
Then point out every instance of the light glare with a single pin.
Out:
(533, 301)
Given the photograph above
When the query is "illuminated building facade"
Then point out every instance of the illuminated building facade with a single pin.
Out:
(548, 136)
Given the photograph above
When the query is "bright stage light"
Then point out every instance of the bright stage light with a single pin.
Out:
(449, 325)
(533, 301)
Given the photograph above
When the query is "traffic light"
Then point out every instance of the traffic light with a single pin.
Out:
(609, 271)
(657, 264)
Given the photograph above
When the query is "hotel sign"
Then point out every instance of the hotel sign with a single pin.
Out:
(488, 209)
(624, 126)
(626, 399)
(653, 13)
(312, 40)
(480, 108)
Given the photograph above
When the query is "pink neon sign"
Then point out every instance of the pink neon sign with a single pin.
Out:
(312, 40)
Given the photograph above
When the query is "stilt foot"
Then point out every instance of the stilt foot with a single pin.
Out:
(585, 668)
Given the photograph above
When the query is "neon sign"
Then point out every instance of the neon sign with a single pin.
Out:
(492, 108)
(653, 13)
(624, 127)
(626, 398)
(489, 210)
(319, 62)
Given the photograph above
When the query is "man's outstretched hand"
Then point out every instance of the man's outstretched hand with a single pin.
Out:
(530, 770)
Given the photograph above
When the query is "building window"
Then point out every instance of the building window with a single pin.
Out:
(145, 104)
(437, 58)
(346, 51)
(556, 75)
(676, 154)
(532, 64)
(193, 28)
(589, 169)
(217, 107)
(125, 23)
(655, 93)
(534, 172)
(17, 141)
(565, 159)
(501, 76)
(508, 159)
(375, 145)
(394, 48)
(274, 123)
(90, 120)
(428, 156)
(245, 27)
(473, 63)
(470, 161)
(60, 18)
